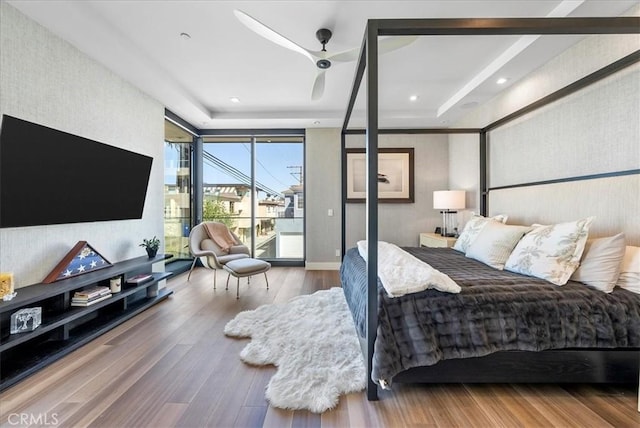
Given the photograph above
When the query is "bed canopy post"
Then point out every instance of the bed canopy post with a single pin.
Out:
(484, 178)
(372, 198)
(343, 190)
(367, 61)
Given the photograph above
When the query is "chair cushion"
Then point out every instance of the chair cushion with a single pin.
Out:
(239, 249)
(231, 257)
(246, 267)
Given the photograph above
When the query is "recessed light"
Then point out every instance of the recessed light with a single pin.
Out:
(234, 99)
(316, 122)
(185, 35)
(413, 98)
(502, 81)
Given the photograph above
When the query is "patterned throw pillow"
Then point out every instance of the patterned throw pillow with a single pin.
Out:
(472, 229)
(551, 252)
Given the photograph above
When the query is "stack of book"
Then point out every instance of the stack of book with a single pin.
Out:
(90, 296)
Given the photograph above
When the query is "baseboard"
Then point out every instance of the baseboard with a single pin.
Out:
(322, 265)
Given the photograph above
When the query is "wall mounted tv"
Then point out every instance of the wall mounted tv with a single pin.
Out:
(52, 177)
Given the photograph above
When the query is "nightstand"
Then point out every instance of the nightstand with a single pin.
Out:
(436, 240)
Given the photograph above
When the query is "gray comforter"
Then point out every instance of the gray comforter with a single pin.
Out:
(495, 311)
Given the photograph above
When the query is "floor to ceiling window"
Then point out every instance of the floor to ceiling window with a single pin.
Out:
(226, 187)
(255, 185)
(177, 190)
(280, 217)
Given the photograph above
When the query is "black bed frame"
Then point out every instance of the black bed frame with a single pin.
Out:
(592, 365)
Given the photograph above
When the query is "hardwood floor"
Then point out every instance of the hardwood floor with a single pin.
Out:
(173, 366)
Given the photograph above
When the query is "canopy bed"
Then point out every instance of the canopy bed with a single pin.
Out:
(374, 311)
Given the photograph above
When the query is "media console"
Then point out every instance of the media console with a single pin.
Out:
(65, 328)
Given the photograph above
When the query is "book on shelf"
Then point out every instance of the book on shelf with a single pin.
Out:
(85, 298)
(88, 299)
(90, 302)
(137, 279)
(92, 291)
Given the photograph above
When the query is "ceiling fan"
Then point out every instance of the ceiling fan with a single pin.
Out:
(321, 59)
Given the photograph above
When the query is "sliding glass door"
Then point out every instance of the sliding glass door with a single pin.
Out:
(280, 215)
(177, 191)
(255, 185)
(226, 187)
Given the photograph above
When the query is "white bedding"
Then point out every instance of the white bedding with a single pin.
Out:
(401, 273)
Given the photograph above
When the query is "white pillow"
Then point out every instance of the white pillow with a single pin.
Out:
(494, 243)
(630, 270)
(601, 263)
(551, 252)
(502, 218)
(472, 229)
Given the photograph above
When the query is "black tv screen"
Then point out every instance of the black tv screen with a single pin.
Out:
(52, 177)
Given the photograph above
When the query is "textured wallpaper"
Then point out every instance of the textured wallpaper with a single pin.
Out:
(47, 81)
(596, 130)
(402, 223)
(613, 201)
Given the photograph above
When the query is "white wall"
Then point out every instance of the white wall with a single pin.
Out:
(398, 223)
(464, 171)
(47, 81)
(322, 188)
(593, 131)
(401, 224)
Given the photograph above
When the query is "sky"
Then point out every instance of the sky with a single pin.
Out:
(273, 160)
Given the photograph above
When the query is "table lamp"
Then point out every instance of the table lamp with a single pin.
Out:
(447, 201)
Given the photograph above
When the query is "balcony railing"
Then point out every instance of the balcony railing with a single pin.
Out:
(276, 238)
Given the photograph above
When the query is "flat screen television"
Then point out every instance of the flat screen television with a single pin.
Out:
(52, 177)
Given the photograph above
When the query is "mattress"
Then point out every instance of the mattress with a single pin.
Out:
(495, 311)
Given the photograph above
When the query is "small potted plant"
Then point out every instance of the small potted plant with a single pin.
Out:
(151, 245)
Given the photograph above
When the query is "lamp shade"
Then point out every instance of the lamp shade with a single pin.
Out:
(448, 199)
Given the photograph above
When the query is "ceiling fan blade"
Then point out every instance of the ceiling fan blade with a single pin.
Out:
(345, 56)
(318, 86)
(271, 35)
(385, 45)
(392, 43)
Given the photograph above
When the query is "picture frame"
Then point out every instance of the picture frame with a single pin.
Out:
(395, 175)
(81, 259)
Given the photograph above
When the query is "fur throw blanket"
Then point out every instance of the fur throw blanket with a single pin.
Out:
(401, 273)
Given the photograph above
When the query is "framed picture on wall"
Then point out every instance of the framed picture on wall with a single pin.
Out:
(395, 175)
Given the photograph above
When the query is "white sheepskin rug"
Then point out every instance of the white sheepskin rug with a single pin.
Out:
(313, 342)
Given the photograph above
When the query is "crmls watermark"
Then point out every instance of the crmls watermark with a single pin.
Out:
(42, 419)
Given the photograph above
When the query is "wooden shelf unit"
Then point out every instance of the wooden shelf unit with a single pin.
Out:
(65, 328)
